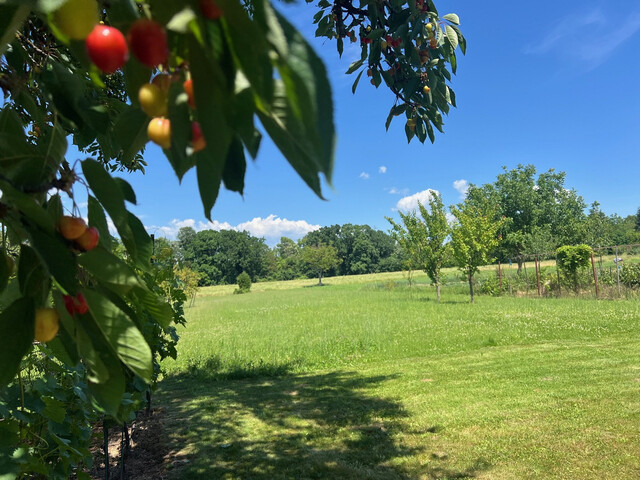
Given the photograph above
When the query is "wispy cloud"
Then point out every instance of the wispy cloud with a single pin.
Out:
(587, 39)
(398, 191)
(411, 202)
(271, 227)
(364, 176)
(462, 186)
(382, 169)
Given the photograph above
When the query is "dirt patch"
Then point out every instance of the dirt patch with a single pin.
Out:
(147, 457)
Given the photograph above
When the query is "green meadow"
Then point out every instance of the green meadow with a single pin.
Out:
(367, 378)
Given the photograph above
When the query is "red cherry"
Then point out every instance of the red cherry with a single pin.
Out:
(148, 42)
(68, 303)
(210, 9)
(107, 48)
(75, 305)
(81, 304)
(89, 239)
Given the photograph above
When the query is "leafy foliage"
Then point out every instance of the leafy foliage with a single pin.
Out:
(244, 283)
(406, 45)
(572, 259)
(424, 239)
(474, 235)
(320, 258)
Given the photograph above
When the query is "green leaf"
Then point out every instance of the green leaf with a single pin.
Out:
(98, 371)
(452, 17)
(11, 19)
(235, 167)
(355, 84)
(309, 98)
(17, 325)
(286, 132)
(249, 47)
(452, 36)
(180, 130)
(110, 195)
(28, 206)
(33, 277)
(121, 334)
(54, 410)
(98, 220)
(58, 258)
(354, 66)
(160, 310)
(212, 96)
(130, 132)
(109, 270)
(181, 20)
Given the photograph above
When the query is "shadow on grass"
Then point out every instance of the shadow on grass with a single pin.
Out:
(294, 427)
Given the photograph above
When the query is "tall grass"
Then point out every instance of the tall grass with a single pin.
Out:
(337, 326)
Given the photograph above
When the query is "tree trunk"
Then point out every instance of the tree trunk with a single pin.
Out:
(471, 287)
(519, 265)
(438, 292)
(320, 278)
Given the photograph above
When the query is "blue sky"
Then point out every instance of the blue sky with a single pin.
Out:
(555, 86)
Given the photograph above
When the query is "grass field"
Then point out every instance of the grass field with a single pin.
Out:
(373, 380)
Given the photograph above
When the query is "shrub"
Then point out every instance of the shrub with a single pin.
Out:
(572, 261)
(244, 283)
(630, 275)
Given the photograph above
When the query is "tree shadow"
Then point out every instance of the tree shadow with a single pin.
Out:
(327, 425)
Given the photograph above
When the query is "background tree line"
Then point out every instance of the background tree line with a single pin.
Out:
(220, 256)
(533, 214)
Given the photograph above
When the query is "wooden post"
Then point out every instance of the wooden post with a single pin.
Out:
(595, 277)
(538, 276)
(526, 277)
(105, 431)
(558, 275)
(618, 270)
(499, 276)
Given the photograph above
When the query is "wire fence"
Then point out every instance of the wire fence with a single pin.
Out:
(614, 272)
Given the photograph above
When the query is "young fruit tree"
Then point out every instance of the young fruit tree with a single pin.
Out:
(474, 236)
(424, 238)
(320, 258)
(86, 311)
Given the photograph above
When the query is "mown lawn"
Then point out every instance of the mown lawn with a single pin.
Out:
(377, 381)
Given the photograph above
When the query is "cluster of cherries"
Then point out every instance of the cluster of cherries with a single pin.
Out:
(108, 49)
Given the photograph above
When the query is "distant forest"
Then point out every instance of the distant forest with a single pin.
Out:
(542, 215)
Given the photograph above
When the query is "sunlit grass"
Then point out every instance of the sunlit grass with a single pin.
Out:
(375, 380)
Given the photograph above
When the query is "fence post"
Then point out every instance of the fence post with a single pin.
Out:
(105, 431)
(558, 275)
(538, 276)
(595, 277)
(526, 277)
(618, 270)
(499, 276)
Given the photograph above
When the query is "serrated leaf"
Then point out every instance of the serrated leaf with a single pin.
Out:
(54, 409)
(160, 310)
(452, 36)
(17, 331)
(452, 17)
(109, 270)
(354, 66)
(121, 334)
(57, 257)
(98, 220)
(355, 84)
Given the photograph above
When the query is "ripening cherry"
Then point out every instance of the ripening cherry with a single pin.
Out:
(107, 48)
(148, 42)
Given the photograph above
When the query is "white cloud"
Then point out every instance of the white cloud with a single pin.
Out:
(271, 227)
(364, 176)
(382, 169)
(398, 191)
(411, 202)
(586, 38)
(462, 186)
